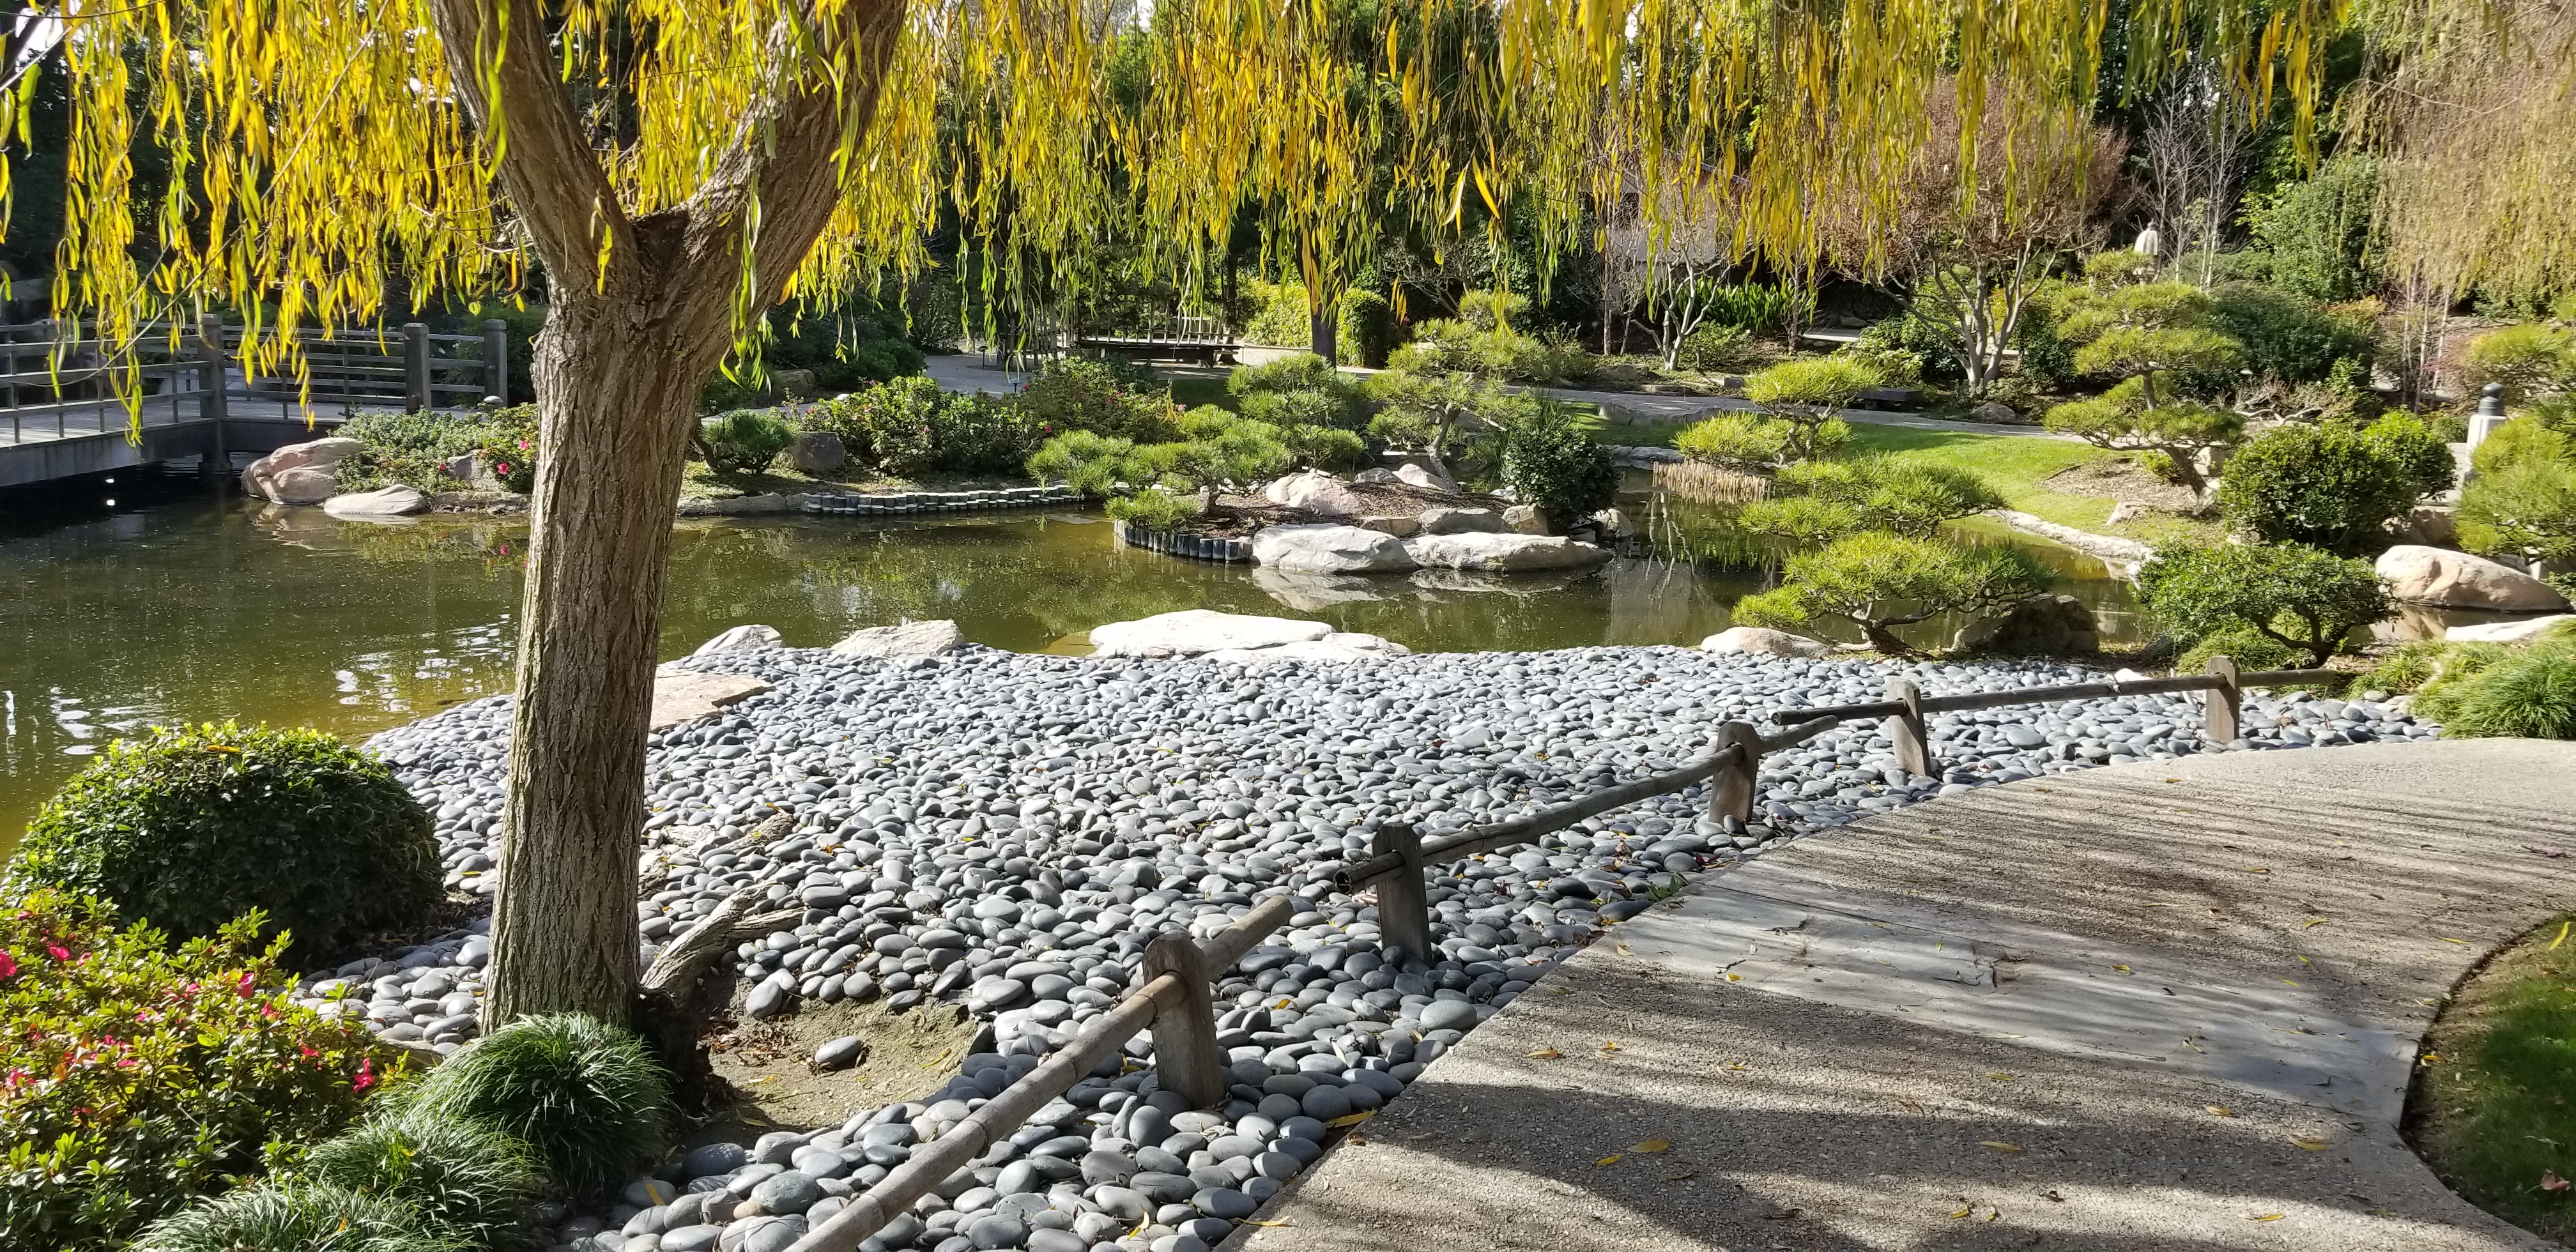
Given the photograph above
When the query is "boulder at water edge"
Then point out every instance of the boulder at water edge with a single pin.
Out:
(1503, 553)
(1338, 646)
(1191, 632)
(1460, 522)
(300, 473)
(1525, 519)
(818, 452)
(2508, 632)
(2456, 580)
(1316, 492)
(1329, 549)
(742, 639)
(1758, 641)
(2039, 626)
(908, 639)
(383, 502)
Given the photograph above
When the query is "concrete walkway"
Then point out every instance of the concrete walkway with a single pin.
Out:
(2165, 1006)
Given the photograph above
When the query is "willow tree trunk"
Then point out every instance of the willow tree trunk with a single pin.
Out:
(618, 376)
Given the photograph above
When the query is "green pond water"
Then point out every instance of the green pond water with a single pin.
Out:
(155, 599)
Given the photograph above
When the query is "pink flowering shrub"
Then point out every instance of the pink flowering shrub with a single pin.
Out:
(135, 1077)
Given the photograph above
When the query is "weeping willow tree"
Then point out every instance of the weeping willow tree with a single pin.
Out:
(675, 168)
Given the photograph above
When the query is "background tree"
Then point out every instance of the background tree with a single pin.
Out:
(2297, 596)
(675, 169)
(2199, 143)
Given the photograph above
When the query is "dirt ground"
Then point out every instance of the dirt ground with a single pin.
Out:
(770, 1063)
(2121, 478)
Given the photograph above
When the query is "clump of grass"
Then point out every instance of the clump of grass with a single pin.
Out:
(2490, 1108)
(586, 1097)
(296, 1218)
(461, 1177)
(2530, 695)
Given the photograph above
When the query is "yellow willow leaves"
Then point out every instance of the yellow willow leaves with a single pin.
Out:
(319, 149)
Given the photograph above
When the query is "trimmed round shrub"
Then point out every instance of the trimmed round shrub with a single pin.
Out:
(190, 827)
(586, 1097)
(2251, 649)
(297, 1218)
(745, 441)
(140, 1077)
(2299, 597)
(462, 1178)
(2334, 486)
(1154, 509)
(1559, 469)
(1877, 581)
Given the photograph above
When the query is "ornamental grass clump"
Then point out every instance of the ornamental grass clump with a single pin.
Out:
(2527, 692)
(586, 1097)
(135, 1078)
(459, 1177)
(191, 827)
(298, 1217)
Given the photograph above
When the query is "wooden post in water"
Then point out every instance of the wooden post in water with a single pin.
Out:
(416, 392)
(496, 361)
(1913, 744)
(2220, 721)
(1403, 906)
(1730, 794)
(1185, 1049)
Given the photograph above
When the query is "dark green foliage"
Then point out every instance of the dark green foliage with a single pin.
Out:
(2289, 338)
(190, 827)
(586, 1098)
(1154, 509)
(297, 1218)
(2298, 596)
(1300, 391)
(1877, 581)
(2419, 450)
(1069, 394)
(1551, 464)
(2046, 360)
(412, 448)
(2527, 692)
(2334, 485)
(1818, 501)
(2251, 649)
(908, 428)
(461, 1178)
(1716, 348)
(743, 442)
(2319, 238)
(140, 1077)
(1368, 329)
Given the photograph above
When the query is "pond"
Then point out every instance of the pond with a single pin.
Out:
(155, 598)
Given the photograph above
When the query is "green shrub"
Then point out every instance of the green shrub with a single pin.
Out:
(2319, 238)
(2251, 649)
(297, 1218)
(1558, 468)
(188, 828)
(743, 442)
(461, 1178)
(135, 1077)
(2526, 438)
(908, 427)
(2528, 693)
(1803, 521)
(2405, 669)
(1323, 448)
(1717, 348)
(1807, 395)
(2298, 596)
(1280, 317)
(1300, 391)
(1911, 498)
(510, 448)
(1097, 465)
(2419, 449)
(1442, 346)
(1877, 581)
(586, 1098)
(2531, 359)
(2288, 338)
(414, 448)
(1367, 331)
(1069, 394)
(2333, 485)
(1738, 441)
(1154, 509)
(1759, 308)
(2525, 510)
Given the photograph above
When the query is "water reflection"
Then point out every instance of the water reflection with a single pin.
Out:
(176, 604)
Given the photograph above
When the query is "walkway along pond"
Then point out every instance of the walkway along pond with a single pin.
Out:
(173, 603)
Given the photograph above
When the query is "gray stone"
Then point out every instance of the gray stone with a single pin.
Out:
(790, 1192)
(1457, 521)
(1449, 1015)
(1224, 1202)
(1503, 554)
(818, 452)
(1329, 549)
(753, 638)
(841, 1053)
(394, 500)
(908, 639)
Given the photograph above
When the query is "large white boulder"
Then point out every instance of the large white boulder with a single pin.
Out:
(2508, 632)
(383, 502)
(1758, 641)
(1503, 553)
(907, 639)
(300, 473)
(2456, 580)
(1329, 549)
(1192, 632)
(1428, 477)
(1316, 492)
(753, 638)
(1337, 646)
(1448, 521)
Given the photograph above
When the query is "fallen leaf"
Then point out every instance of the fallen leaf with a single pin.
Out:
(2287, 983)
(1273, 1225)
(2562, 935)
(2221, 1110)
(1782, 1215)
(1910, 1106)
(2448, 939)
(2312, 1145)
(1688, 1173)
(1352, 1119)
(2122, 968)
(2431, 1058)
(1624, 950)
(2313, 921)
(1735, 978)
(1546, 1054)
(1963, 1212)
(2548, 851)
(1999, 1146)
(1737, 1066)
(1653, 1146)
(1611, 1159)
(1609, 1045)
(2173, 780)
(2052, 1196)
(2265, 1217)
(2252, 869)
(2550, 1181)
(1999, 1076)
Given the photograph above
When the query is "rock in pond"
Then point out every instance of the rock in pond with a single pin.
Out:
(394, 500)
(1330, 549)
(1504, 553)
(753, 638)
(1316, 492)
(1191, 632)
(1525, 519)
(1448, 521)
(300, 473)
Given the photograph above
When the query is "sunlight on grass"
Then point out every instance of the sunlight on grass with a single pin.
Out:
(2490, 1110)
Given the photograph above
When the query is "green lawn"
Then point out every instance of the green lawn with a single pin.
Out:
(2489, 1110)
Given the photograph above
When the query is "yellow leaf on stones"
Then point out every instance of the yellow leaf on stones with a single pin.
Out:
(2122, 968)
(2448, 939)
(1963, 1212)
(1273, 1225)
(2312, 1145)
(1609, 1045)
(1998, 1145)
(1999, 1076)
(1735, 978)
(2221, 1110)
(1352, 1119)
(2265, 1217)
(1652, 1146)
(1546, 1054)
(2313, 921)
(1611, 1159)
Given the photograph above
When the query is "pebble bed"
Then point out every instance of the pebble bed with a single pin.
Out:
(1008, 831)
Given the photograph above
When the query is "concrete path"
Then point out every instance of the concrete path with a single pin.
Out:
(2165, 1006)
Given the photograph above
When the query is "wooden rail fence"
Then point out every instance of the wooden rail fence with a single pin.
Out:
(1172, 996)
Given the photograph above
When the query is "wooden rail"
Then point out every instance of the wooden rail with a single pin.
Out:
(1173, 1000)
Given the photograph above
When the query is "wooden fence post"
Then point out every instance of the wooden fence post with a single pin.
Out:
(1403, 906)
(214, 375)
(1185, 1049)
(496, 361)
(2220, 722)
(1730, 794)
(1905, 729)
(416, 392)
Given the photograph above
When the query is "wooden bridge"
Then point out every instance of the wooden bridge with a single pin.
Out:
(61, 416)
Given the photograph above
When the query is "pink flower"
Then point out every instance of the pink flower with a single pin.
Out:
(57, 951)
(8, 965)
(366, 1075)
